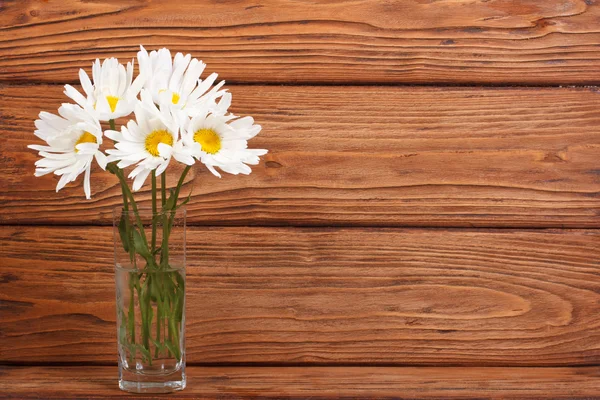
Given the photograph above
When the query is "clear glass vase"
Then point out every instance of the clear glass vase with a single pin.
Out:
(150, 288)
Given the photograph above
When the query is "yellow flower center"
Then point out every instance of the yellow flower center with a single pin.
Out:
(155, 138)
(112, 102)
(209, 140)
(175, 98)
(86, 137)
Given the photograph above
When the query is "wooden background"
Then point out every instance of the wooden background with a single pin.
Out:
(426, 223)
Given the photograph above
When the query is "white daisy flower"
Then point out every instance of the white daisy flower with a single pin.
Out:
(220, 140)
(177, 82)
(113, 93)
(74, 140)
(149, 141)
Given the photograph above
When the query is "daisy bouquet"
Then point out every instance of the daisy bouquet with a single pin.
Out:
(178, 118)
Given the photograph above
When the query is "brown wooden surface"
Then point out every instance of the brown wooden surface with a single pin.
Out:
(292, 295)
(316, 383)
(417, 41)
(371, 295)
(504, 157)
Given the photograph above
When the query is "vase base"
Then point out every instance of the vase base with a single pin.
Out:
(152, 387)
(138, 382)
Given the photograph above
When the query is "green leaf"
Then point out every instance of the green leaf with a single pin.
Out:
(145, 352)
(185, 201)
(178, 307)
(149, 316)
(140, 246)
(173, 349)
(131, 313)
(170, 204)
(159, 346)
(180, 280)
(156, 218)
(155, 292)
(123, 232)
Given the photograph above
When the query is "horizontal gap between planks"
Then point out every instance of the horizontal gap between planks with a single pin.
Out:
(291, 364)
(593, 85)
(336, 226)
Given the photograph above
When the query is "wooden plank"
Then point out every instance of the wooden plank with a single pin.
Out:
(316, 383)
(295, 295)
(525, 41)
(358, 156)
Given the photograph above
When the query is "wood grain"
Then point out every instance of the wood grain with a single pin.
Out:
(296, 295)
(316, 383)
(417, 41)
(501, 157)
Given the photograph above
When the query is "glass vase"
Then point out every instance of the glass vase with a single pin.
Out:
(150, 289)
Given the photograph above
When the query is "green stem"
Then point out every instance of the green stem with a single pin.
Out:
(169, 330)
(164, 254)
(176, 195)
(119, 173)
(111, 122)
(160, 325)
(127, 230)
(180, 183)
(158, 290)
(168, 219)
(174, 338)
(153, 211)
(163, 189)
(131, 315)
(145, 310)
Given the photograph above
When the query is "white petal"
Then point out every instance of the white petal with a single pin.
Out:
(58, 156)
(62, 182)
(86, 148)
(103, 109)
(161, 168)
(122, 79)
(114, 135)
(42, 171)
(180, 63)
(97, 73)
(224, 104)
(138, 83)
(86, 183)
(136, 171)
(124, 107)
(112, 72)
(56, 122)
(139, 179)
(125, 163)
(192, 74)
(40, 148)
(88, 88)
(71, 92)
(55, 164)
(184, 158)
(213, 170)
(101, 159)
(164, 150)
(129, 147)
